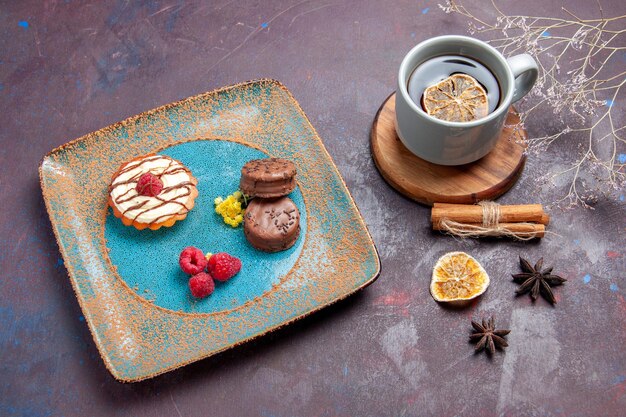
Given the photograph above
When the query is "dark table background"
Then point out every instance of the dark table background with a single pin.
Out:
(68, 68)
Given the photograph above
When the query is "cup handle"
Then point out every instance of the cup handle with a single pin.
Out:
(525, 72)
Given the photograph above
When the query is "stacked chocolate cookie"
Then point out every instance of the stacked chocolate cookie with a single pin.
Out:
(272, 220)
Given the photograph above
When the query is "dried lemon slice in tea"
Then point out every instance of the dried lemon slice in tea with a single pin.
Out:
(458, 98)
(458, 277)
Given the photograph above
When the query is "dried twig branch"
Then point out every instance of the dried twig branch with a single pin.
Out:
(581, 97)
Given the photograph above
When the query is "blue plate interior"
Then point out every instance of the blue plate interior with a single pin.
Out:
(147, 260)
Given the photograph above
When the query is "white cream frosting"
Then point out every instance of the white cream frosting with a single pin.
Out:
(153, 209)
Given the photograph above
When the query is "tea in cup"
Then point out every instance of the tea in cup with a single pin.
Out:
(453, 96)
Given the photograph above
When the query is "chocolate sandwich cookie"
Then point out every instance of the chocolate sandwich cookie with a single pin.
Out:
(272, 225)
(268, 178)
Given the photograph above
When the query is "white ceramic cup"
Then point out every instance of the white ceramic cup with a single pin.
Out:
(456, 143)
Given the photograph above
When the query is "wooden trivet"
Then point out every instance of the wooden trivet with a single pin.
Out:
(427, 183)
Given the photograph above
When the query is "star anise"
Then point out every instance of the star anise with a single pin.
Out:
(488, 337)
(536, 281)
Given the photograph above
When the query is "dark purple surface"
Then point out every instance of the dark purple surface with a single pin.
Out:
(68, 68)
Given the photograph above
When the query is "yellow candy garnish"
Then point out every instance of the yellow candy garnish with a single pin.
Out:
(230, 209)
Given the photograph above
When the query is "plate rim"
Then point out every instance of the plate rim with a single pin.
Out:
(84, 138)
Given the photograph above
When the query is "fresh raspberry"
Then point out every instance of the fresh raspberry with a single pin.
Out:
(223, 266)
(201, 285)
(192, 260)
(149, 185)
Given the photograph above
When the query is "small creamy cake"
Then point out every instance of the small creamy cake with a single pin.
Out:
(152, 191)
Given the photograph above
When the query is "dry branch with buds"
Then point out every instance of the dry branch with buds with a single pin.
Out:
(579, 83)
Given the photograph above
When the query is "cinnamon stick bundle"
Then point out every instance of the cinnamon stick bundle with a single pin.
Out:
(525, 221)
(525, 229)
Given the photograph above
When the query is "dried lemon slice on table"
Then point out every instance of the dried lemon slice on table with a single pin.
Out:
(458, 98)
(458, 277)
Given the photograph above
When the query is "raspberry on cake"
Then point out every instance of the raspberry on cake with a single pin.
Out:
(152, 191)
(149, 184)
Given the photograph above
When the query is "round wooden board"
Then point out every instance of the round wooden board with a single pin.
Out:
(427, 183)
